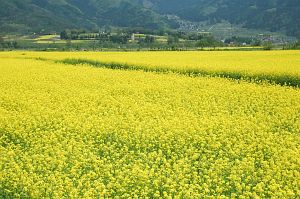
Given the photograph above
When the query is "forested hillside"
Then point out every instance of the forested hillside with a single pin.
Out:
(55, 15)
(272, 15)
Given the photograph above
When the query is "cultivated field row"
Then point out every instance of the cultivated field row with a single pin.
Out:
(84, 132)
(279, 67)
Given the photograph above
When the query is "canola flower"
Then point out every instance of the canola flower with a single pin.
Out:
(281, 67)
(83, 132)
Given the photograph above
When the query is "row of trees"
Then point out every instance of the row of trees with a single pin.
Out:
(123, 37)
(295, 45)
(8, 44)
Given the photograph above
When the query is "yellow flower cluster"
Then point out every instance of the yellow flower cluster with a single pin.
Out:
(84, 132)
(282, 64)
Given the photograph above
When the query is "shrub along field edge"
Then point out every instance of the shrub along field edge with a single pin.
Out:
(283, 80)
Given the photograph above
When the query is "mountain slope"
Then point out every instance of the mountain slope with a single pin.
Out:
(55, 15)
(272, 15)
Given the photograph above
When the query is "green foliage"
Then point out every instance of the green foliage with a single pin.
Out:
(42, 16)
(119, 38)
(149, 39)
(208, 41)
(272, 15)
(295, 45)
(71, 34)
(173, 39)
(8, 44)
(267, 45)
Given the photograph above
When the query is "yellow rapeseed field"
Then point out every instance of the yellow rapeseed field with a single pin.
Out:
(245, 62)
(84, 132)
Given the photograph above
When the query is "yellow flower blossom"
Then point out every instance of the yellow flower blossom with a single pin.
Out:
(84, 132)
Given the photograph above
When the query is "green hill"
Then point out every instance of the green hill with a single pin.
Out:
(55, 15)
(271, 15)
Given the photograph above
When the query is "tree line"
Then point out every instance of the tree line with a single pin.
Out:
(149, 37)
(8, 44)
